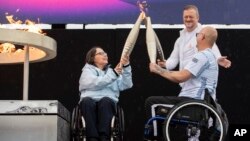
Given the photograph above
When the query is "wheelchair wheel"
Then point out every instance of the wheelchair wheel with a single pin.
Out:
(193, 121)
(77, 125)
(117, 125)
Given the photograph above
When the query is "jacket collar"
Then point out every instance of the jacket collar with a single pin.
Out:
(196, 30)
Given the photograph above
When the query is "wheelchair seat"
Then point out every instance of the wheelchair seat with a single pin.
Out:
(78, 126)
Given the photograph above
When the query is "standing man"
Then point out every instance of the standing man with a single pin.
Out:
(185, 45)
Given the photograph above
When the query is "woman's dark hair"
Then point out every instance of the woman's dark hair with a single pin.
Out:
(90, 56)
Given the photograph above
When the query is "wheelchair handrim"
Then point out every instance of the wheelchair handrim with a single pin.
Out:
(173, 111)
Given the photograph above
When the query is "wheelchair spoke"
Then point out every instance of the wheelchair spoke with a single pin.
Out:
(192, 120)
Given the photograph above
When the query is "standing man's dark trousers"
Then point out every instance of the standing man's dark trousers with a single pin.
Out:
(98, 116)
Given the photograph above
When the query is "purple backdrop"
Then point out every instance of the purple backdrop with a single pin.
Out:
(123, 11)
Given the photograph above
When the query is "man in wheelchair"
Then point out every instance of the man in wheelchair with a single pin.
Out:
(199, 74)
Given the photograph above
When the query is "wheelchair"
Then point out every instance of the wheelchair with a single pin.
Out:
(192, 120)
(78, 125)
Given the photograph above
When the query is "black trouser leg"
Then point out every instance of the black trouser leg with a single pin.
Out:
(106, 110)
(88, 110)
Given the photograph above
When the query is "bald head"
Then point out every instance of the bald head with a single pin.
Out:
(211, 35)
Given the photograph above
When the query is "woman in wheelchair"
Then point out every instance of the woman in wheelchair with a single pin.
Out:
(100, 86)
(199, 74)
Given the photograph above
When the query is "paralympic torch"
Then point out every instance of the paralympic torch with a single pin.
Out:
(132, 37)
(153, 44)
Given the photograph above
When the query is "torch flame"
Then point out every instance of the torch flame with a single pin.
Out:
(30, 27)
(7, 48)
(12, 21)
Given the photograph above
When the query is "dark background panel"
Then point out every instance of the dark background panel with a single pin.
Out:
(57, 79)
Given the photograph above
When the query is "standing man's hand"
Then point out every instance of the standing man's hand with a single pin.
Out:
(224, 62)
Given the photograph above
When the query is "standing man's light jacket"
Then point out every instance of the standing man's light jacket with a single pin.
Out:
(185, 48)
(97, 83)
